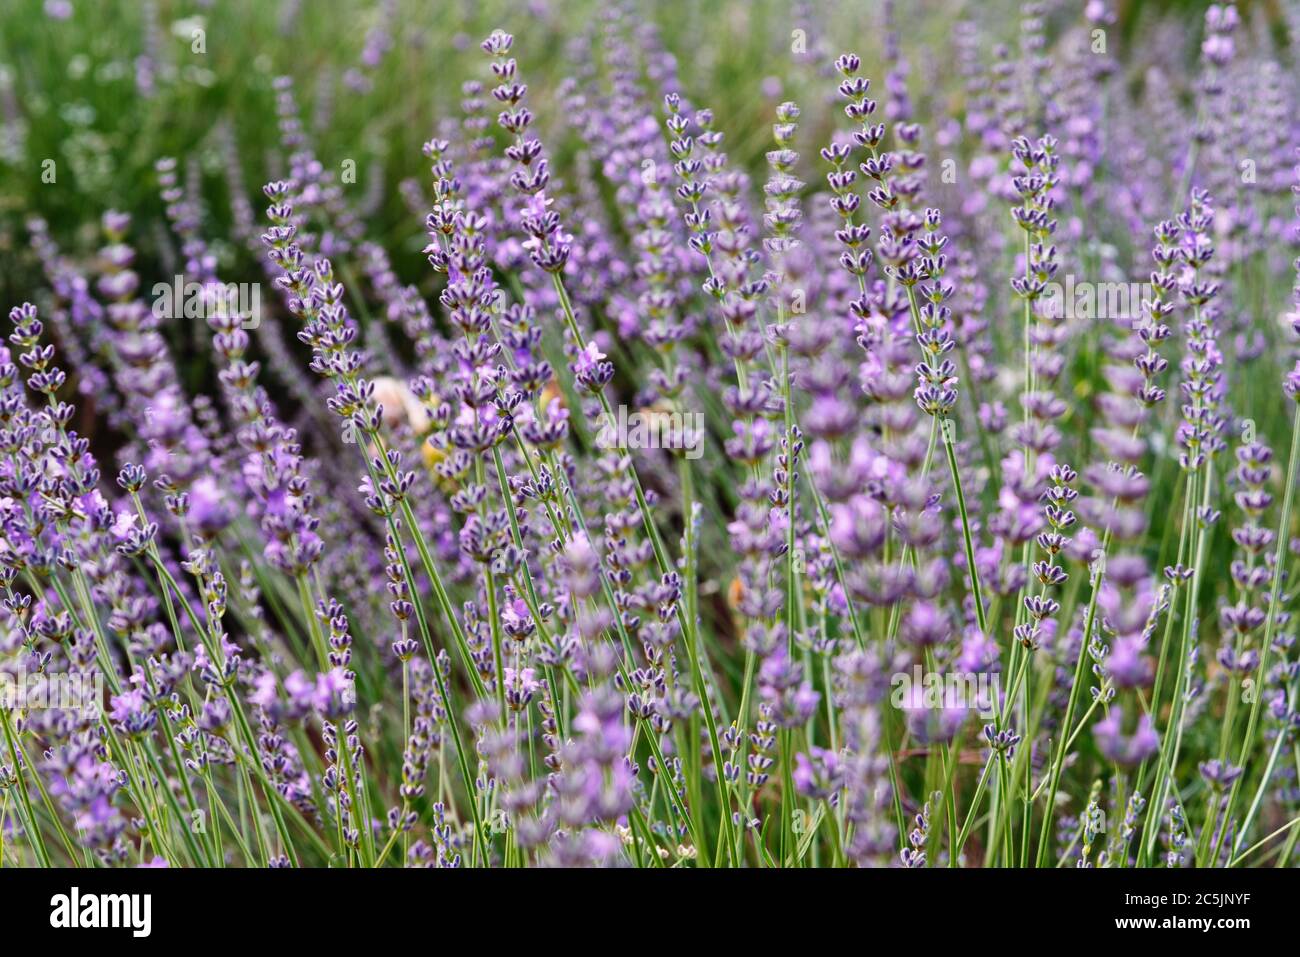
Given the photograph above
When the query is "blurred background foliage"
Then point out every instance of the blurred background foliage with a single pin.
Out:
(104, 88)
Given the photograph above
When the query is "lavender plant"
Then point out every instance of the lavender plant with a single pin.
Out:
(676, 467)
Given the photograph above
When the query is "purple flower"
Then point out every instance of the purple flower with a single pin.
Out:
(817, 773)
(1127, 750)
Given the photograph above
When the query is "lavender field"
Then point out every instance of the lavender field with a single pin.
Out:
(776, 434)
